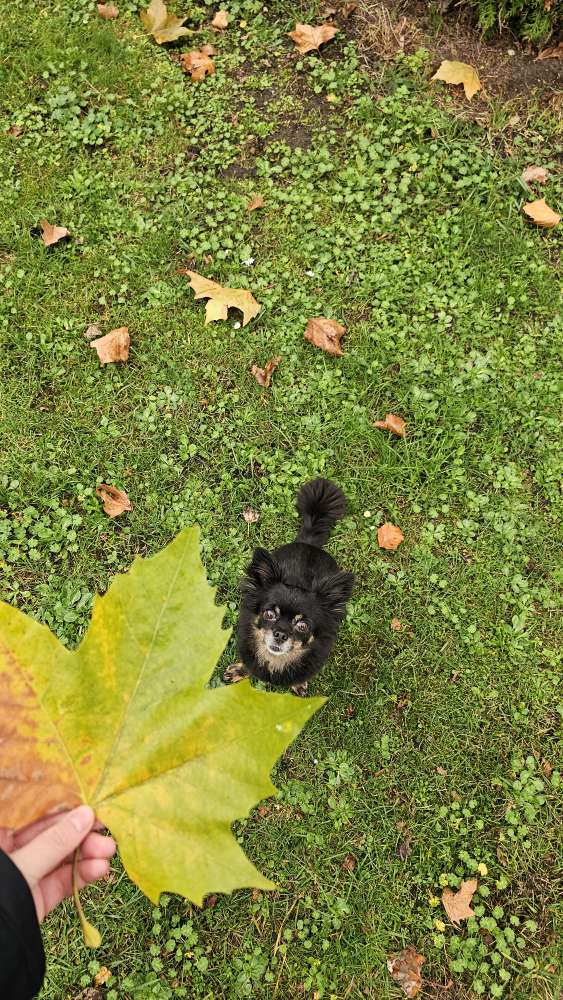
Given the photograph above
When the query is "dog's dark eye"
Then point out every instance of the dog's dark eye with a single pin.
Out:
(269, 615)
(301, 627)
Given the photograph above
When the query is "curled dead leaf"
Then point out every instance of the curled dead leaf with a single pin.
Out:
(405, 970)
(395, 625)
(457, 904)
(108, 11)
(102, 976)
(459, 73)
(308, 37)
(326, 334)
(52, 234)
(540, 213)
(221, 299)
(197, 63)
(250, 516)
(164, 27)
(552, 52)
(114, 346)
(115, 502)
(392, 423)
(92, 331)
(264, 375)
(389, 536)
(255, 202)
(221, 20)
(533, 174)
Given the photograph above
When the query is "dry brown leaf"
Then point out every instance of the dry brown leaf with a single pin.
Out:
(115, 501)
(326, 334)
(457, 904)
(347, 9)
(459, 72)
(405, 970)
(392, 423)
(404, 849)
(92, 331)
(250, 516)
(540, 213)
(264, 375)
(308, 37)
(221, 20)
(163, 27)
(395, 625)
(441, 771)
(553, 52)
(197, 63)
(108, 11)
(389, 536)
(349, 863)
(222, 299)
(114, 346)
(256, 201)
(531, 174)
(52, 234)
(16, 131)
(102, 976)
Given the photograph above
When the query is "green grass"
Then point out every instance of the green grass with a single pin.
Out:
(401, 220)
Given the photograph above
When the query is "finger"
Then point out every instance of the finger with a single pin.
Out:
(96, 846)
(58, 885)
(22, 836)
(46, 851)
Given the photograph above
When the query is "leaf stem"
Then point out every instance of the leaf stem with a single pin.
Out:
(92, 936)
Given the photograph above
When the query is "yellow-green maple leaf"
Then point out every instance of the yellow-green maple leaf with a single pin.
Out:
(222, 299)
(125, 724)
(164, 27)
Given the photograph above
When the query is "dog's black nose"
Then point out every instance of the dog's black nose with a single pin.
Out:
(280, 637)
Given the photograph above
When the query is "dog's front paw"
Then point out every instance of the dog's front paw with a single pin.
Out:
(234, 673)
(301, 690)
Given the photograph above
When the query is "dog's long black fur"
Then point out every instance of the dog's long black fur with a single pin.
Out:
(294, 598)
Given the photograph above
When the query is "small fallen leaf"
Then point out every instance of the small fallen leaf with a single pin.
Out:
(164, 27)
(308, 37)
(108, 11)
(114, 346)
(102, 976)
(211, 901)
(441, 771)
(92, 331)
(264, 375)
(396, 625)
(349, 863)
(221, 20)
(222, 299)
(52, 234)
(389, 536)
(404, 848)
(256, 201)
(392, 423)
(405, 970)
(115, 501)
(347, 9)
(457, 904)
(540, 213)
(250, 516)
(459, 72)
(197, 63)
(15, 130)
(326, 334)
(547, 768)
(531, 174)
(553, 52)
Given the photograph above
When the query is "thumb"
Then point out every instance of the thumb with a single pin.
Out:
(46, 851)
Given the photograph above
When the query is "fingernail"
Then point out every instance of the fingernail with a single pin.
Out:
(81, 818)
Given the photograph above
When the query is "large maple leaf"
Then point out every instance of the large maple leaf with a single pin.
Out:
(125, 724)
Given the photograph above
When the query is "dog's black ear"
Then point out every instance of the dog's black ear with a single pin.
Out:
(263, 571)
(334, 591)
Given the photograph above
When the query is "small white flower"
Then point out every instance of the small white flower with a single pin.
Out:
(248, 262)
(315, 761)
(367, 513)
(236, 326)
(310, 274)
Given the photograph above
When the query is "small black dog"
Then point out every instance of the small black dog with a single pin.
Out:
(294, 598)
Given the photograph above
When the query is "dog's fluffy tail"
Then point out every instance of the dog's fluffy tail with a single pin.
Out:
(320, 504)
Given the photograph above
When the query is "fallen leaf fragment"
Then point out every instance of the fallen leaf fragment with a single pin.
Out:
(164, 27)
(404, 849)
(459, 72)
(457, 904)
(102, 976)
(531, 174)
(197, 63)
(389, 536)
(114, 346)
(326, 334)
(108, 11)
(405, 970)
(540, 213)
(264, 375)
(255, 202)
(92, 331)
(221, 20)
(347, 9)
(395, 625)
(552, 52)
(16, 131)
(308, 37)
(349, 863)
(392, 423)
(441, 771)
(52, 234)
(222, 299)
(250, 516)
(115, 501)
(211, 901)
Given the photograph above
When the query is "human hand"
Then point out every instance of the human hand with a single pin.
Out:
(43, 852)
